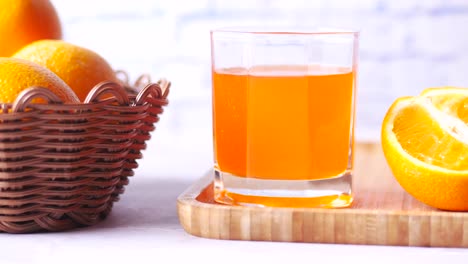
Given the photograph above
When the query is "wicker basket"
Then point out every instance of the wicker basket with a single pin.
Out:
(63, 166)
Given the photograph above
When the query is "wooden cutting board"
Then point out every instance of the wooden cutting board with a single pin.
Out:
(382, 214)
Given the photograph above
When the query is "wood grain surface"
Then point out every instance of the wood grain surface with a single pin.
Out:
(382, 214)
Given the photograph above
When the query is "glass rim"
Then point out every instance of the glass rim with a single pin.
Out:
(272, 30)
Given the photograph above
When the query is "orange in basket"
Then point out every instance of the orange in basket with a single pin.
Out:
(79, 67)
(17, 75)
(24, 21)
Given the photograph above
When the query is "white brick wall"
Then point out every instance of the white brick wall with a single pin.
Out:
(406, 45)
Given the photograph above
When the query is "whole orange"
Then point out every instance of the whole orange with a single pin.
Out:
(79, 67)
(24, 21)
(17, 75)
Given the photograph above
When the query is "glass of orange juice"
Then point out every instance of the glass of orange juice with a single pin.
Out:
(283, 116)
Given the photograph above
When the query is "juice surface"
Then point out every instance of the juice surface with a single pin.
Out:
(282, 122)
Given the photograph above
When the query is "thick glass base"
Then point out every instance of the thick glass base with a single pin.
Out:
(325, 193)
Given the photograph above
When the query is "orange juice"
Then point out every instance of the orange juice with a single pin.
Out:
(283, 122)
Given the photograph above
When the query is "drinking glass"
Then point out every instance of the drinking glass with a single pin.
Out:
(283, 116)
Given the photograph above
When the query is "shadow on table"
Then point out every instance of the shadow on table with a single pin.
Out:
(147, 203)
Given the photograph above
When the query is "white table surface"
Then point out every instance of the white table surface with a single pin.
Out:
(144, 228)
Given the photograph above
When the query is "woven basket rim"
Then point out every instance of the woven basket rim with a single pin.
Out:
(125, 93)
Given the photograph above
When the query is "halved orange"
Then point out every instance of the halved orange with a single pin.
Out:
(425, 142)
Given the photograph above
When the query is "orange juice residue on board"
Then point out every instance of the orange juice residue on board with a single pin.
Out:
(283, 122)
